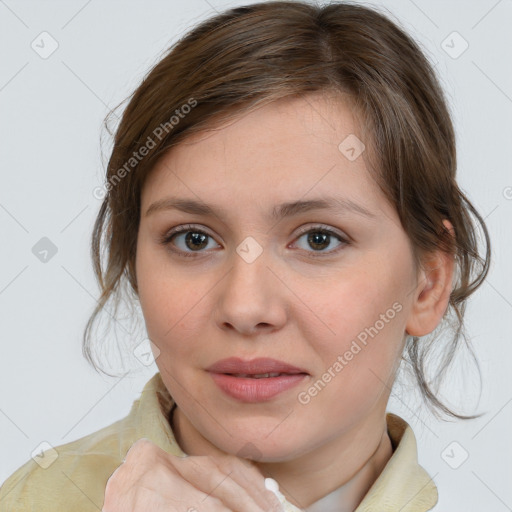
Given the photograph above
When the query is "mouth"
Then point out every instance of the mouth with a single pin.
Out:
(262, 367)
(254, 388)
(262, 375)
(256, 380)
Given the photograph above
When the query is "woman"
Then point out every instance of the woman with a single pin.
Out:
(281, 199)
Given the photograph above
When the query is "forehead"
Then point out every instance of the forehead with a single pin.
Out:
(282, 151)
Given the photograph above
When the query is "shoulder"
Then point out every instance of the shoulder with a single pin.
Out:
(73, 476)
(69, 476)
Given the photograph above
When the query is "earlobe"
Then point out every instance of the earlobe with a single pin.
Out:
(432, 294)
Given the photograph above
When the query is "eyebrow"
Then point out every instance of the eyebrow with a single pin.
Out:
(289, 209)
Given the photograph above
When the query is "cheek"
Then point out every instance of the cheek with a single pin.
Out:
(173, 311)
(159, 285)
(359, 317)
(341, 307)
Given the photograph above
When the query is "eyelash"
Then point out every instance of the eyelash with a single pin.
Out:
(166, 238)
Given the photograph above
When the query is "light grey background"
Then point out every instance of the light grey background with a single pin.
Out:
(50, 126)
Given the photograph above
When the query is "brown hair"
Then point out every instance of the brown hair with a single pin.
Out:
(249, 56)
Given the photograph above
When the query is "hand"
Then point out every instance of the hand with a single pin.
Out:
(152, 479)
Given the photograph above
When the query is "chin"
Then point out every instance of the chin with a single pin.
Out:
(258, 449)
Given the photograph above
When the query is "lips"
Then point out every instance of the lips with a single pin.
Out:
(257, 376)
(255, 368)
(256, 380)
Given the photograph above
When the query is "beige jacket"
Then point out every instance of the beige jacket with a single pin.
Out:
(74, 476)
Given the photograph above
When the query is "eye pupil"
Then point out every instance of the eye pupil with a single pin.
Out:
(317, 238)
(196, 238)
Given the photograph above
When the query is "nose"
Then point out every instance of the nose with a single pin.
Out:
(251, 298)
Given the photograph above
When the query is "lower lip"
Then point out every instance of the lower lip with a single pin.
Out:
(255, 390)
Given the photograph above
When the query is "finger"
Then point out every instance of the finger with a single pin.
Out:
(184, 497)
(247, 475)
(226, 484)
(159, 489)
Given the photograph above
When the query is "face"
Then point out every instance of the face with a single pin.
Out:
(327, 290)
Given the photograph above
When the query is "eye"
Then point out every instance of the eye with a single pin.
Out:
(320, 237)
(193, 240)
(190, 238)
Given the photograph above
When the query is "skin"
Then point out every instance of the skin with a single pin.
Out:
(286, 304)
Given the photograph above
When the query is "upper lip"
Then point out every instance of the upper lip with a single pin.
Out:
(253, 366)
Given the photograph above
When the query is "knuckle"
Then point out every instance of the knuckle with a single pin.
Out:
(230, 463)
(139, 451)
(224, 463)
(110, 498)
(158, 473)
(113, 482)
(200, 463)
(225, 467)
(196, 466)
(113, 489)
(213, 503)
(141, 445)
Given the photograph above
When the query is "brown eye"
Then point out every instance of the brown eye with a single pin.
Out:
(320, 238)
(188, 240)
(195, 240)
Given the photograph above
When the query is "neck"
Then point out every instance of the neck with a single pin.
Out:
(342, 476)
(344, 468)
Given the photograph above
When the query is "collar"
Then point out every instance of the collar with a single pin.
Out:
(403, 484)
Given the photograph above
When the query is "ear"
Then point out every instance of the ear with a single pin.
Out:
(432, 293)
